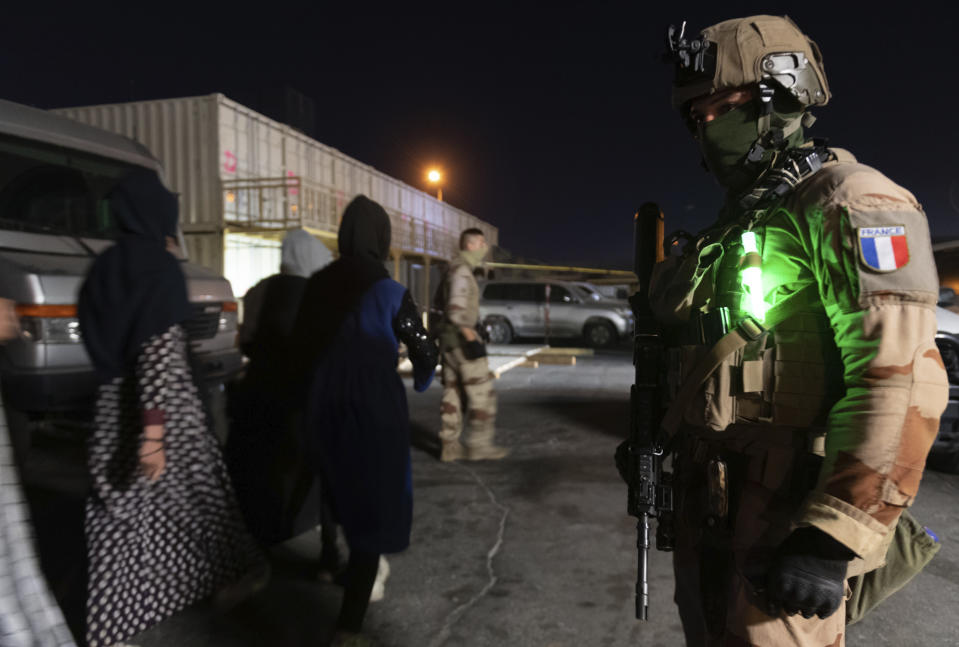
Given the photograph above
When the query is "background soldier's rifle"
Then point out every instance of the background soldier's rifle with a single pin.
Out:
(650, 488)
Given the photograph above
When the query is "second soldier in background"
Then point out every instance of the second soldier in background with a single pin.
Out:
(467, 381)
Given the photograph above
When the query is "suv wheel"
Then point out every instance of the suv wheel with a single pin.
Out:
(600, 334)
(500, 330)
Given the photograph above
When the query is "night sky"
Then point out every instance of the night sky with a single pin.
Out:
(553, 124)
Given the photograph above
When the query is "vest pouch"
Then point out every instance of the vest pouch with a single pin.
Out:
(677, 286)
(714, 404)
(807, 374)
(754, 390)
(911, 549)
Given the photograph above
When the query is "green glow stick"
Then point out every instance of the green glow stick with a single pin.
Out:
(752, 277)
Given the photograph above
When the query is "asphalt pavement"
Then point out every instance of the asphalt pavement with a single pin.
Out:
(536, 550)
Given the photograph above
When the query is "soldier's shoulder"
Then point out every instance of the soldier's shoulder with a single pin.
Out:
(460, 270)
(852, 184)
(461, 274)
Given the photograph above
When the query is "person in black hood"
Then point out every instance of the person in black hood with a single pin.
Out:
(136, 288)
(162, 525)
(350, 323)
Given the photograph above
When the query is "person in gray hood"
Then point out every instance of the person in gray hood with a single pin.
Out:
(300, 256)
(263, 447)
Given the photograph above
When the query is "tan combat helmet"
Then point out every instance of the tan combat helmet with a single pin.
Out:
(768, 50)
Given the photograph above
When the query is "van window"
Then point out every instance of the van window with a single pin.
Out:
(48, 190)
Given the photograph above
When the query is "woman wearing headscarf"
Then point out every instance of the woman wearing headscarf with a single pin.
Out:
(162, 525)
(352, 318)
(262, 449)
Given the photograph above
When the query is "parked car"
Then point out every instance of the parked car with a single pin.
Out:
(945, 451)
(55, 175)
(603, 292)
(510, 309)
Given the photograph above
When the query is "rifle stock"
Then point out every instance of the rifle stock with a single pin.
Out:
(650, 488)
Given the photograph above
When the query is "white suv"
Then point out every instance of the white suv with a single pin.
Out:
(521, 308)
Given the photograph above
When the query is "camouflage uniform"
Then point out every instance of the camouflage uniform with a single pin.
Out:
(824, 421)
(465, 381)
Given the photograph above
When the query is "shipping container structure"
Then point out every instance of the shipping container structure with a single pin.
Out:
(244, 180)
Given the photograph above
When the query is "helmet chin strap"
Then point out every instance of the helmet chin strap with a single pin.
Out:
(769, 135)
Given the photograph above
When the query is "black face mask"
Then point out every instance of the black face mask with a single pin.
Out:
(726, 140)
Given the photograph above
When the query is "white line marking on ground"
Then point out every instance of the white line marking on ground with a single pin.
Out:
(459, 611)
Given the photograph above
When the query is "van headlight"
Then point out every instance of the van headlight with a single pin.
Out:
(50, 330)
(228, 321)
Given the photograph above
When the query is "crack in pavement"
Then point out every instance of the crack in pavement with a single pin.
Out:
(458, 612)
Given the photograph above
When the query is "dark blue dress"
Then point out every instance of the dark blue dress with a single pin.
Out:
(357, 420)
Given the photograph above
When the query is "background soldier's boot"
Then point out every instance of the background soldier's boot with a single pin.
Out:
(487, 453)
(452, 451)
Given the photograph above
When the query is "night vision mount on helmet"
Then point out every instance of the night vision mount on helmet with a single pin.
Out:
(769, 52)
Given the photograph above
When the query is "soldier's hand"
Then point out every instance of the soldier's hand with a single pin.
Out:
(808, 575)
(469, 334)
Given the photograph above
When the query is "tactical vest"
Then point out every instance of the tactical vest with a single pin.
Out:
(789, 375)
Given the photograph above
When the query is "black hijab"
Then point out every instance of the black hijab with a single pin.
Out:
(365, 231)
(335, 291)
(135, 289)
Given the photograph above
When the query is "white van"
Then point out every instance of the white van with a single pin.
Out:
(55, 174)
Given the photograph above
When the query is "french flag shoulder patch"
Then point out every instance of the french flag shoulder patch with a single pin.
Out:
(883, 249)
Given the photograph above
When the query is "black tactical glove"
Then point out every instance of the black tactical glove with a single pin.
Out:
(807, 575)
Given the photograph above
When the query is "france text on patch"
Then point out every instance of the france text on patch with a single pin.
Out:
(883, 249)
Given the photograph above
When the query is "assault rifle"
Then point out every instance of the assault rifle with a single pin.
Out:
(650, 488)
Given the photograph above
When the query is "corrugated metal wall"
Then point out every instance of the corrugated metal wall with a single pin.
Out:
(181, 133)
(206, 249)
(237, 170)
(280, 177)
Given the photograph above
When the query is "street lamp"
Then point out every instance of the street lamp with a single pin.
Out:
(434, 176)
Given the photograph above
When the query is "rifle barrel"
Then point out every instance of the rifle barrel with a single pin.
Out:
(642, 582)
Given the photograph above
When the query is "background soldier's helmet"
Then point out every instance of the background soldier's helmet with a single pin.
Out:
(768, 50)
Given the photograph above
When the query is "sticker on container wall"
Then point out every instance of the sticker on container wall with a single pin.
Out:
(293, 187)
(229, 163)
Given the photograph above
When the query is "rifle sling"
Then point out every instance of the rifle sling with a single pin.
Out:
(736, 339)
